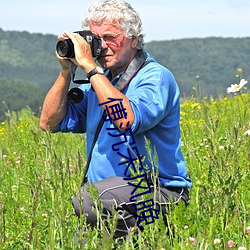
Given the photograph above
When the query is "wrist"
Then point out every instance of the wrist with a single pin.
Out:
(65, 73)
(89, 67)
(97, 70)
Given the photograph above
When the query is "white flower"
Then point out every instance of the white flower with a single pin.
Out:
(22, 210)
(237, 87)
(246, 133)
(192, 240)
(242, 248)
(217, 241)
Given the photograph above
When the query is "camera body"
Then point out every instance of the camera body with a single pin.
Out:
(65, 48)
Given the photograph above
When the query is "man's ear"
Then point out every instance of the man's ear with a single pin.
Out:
(134, 42)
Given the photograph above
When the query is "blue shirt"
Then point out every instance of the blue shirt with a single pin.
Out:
(154, 97)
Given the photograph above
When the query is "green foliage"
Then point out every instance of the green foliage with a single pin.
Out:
(14, 95)
(28, 57)
(28, 68)
(40, 172)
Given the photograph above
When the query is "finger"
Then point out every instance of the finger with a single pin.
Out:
(62, 36)
(69, 34)
(75, 37)
(69, 60)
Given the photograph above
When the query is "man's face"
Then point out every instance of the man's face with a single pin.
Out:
(118, 50)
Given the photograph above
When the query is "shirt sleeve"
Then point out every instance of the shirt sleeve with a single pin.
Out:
(153, 97)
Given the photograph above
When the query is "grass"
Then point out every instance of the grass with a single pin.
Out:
(40, 172)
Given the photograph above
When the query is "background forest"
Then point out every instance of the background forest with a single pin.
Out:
(202, 67)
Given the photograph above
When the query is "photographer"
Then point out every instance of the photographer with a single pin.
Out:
(140, 99)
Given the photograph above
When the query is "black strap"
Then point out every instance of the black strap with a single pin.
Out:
(97, 132)
(136, 64)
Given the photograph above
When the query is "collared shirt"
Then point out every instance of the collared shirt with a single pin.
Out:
(154, 97)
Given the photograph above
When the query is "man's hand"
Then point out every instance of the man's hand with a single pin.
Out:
(66, 63)
(83, 54)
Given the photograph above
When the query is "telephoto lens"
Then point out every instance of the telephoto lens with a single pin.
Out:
(65, 48)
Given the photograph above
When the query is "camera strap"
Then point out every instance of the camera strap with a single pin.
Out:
(136, 64)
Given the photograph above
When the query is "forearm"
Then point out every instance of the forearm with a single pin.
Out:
(105, 90)
(55, 103)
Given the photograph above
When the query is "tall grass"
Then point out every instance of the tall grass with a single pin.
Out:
(40, 172)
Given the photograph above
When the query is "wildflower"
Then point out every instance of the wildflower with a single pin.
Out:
(195, 106)
(240, 70)
(216, 241)
(247, 133)
(198, 182)
(237, 87)
(230, 244)
(14, 188)
(192, 240)
(22, 210)
(248, 230)
(221, 147)
(45, 216)
(242, 248)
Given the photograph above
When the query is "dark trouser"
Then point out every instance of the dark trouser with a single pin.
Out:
(115, 193)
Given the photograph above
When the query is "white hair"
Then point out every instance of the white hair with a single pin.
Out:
(120, 13)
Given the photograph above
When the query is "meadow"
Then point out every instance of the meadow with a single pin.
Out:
(40, 172)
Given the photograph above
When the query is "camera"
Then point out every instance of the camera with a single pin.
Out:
(65, 48)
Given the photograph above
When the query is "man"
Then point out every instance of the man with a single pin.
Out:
(139, 101)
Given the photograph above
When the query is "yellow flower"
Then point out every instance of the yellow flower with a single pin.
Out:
(195, 105)
(240, 70)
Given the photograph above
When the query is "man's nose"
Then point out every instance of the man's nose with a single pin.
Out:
(104, 44)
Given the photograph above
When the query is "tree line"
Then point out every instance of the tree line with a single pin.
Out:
(202, 67)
